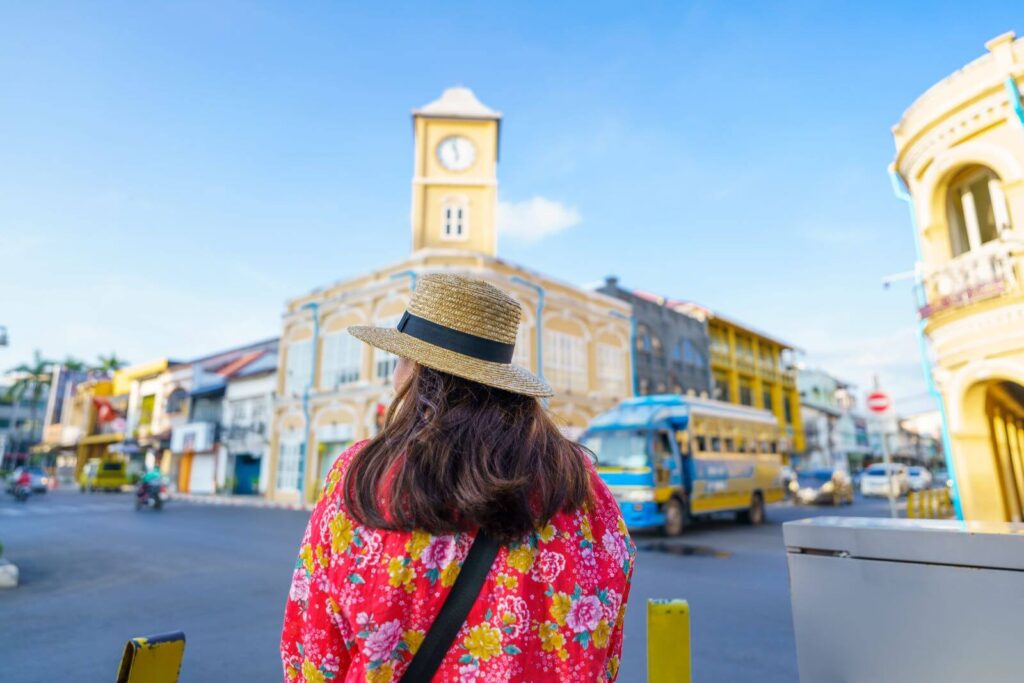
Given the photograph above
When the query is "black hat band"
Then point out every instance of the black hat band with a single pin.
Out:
(455, 340)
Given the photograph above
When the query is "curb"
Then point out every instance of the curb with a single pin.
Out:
(238, 501)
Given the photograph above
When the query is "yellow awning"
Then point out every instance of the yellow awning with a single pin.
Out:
(95, 439)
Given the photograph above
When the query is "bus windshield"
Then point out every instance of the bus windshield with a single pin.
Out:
(620, 448)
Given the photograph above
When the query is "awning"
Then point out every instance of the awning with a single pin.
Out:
(126, 448)
(98, 439)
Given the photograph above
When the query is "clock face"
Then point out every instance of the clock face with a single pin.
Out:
(456, 153)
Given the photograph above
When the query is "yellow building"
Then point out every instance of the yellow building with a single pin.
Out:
(960, 153)
(332, 388)
(752, 369)
(81, 426)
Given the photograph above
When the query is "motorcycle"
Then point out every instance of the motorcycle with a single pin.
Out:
(21, 493)
(150, 495)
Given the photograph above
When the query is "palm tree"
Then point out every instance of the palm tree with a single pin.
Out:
(73, 364)
(32, 379)
(109, 364)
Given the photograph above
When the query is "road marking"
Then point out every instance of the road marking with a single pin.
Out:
(42, 510)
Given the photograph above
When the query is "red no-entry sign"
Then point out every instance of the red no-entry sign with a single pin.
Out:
(879, 402)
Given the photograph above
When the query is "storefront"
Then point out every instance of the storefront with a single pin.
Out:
(194, 458)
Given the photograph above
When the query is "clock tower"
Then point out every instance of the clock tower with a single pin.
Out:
(454, 184)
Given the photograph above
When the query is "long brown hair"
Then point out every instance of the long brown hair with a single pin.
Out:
(455, 454)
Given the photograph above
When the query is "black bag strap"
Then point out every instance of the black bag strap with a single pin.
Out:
(454, 611)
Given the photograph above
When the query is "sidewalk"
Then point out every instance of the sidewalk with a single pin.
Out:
(238, 501)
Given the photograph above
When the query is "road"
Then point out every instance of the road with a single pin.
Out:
(95, 573)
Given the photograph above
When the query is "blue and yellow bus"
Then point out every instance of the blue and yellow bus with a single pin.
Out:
(670, 458)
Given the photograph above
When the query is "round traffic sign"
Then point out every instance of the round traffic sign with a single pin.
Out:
(878, 402)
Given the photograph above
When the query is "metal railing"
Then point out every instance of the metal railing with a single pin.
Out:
(976, 275)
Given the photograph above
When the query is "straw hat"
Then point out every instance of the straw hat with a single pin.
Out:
(461, 326)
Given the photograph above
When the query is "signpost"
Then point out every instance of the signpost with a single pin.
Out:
(880, 403)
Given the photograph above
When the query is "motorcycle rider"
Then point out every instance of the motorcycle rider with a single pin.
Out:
(23, 485)
(151, 480)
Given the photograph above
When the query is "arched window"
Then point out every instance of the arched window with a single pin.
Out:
(976, 209)
(455, 219)
(643, 339)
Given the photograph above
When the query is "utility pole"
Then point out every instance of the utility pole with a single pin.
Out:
(880, 404)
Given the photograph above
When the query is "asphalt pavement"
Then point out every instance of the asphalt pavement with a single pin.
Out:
(94, 573)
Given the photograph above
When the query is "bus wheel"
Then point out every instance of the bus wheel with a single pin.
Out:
(755, 514)
(675, 517)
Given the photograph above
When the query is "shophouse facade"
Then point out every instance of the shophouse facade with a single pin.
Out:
(751, 368)
(245, 424)
(671, 348)
(835, 430)
(198, 459)
(960, 163)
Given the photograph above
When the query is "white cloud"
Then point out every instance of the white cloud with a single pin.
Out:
(534, 219)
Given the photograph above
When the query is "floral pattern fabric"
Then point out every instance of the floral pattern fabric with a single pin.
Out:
(551, 609)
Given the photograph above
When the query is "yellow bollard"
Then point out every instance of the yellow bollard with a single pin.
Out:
(911, 505)
(156, 659)
(668, 641)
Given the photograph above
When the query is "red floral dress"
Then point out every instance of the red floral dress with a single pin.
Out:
(551, 609)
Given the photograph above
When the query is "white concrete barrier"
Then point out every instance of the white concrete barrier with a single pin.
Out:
(8, 575)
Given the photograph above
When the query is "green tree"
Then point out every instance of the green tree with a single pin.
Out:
(109, 364)
(74, 364)
(31, 379)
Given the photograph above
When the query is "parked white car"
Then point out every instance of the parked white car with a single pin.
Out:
(875, 480)
(918, 478)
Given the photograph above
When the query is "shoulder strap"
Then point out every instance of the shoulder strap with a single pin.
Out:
(454, 611)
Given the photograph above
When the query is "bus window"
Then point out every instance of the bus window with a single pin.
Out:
(773, 447)
(662, 447)
(741, 444)
(618, 448)
(729, 445)
(663, 463)
(716, 445)
(702, 443)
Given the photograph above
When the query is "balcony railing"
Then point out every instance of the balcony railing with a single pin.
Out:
(980, 274)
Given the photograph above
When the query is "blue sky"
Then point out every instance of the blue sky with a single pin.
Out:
(172, 172)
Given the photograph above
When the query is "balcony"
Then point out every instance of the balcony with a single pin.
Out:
(977, 275)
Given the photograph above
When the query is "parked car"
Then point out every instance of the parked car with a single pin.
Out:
(918, 478)
(875, 480)
(40, 480)
(103, 474)
(824, 487)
